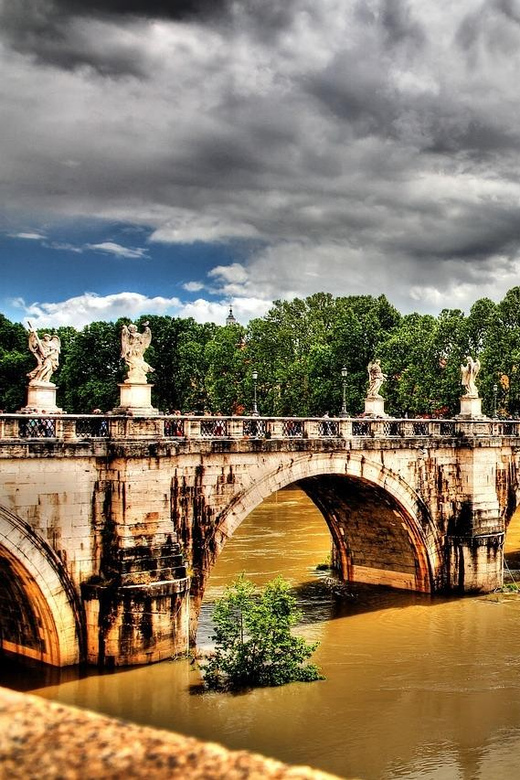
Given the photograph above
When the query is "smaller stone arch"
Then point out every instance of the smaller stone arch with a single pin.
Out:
(40, 613)
(422, 531)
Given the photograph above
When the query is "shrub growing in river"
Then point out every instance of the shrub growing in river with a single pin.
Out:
(254, 645)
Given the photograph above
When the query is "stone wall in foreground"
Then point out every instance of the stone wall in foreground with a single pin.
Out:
(41, 740)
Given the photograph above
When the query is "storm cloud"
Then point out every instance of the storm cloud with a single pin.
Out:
(351, 144)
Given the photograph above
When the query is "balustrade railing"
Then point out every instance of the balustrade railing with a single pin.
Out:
(447, 428)
(254, 429)
(393, 428)
(360, 428)
(213, 427)
(37, 428)
(66, 427)
(329, 428)
(174, 427)
(292, 429)
(92, 428)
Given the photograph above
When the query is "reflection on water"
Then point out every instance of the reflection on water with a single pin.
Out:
(417, 687)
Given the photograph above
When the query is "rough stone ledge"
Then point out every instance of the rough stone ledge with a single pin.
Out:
(160, 588)
(479, 540)
(131, 448)
(41, 740)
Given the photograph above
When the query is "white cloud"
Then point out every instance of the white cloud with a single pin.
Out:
(64, 246)
(244, 309)
(193, 286)
(90, 307)
(293, 269)
(111, 248)
(28, 236)
(188, 228)
(83, 309)
(230, 274)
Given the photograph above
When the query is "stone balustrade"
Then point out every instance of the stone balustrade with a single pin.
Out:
(69, 427)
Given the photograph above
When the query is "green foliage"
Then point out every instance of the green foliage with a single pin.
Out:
(90, 368)
(508, 587)
(254, 645)
(228, 370)
(15, 362)
(298, 349)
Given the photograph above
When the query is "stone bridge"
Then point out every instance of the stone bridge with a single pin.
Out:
(109, 525)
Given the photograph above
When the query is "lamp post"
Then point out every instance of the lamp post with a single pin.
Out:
(344, 373)
(495, 391)
(255, 408)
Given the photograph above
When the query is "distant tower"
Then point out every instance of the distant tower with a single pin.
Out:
(230, 320)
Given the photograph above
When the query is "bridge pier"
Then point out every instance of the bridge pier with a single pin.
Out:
(474, 546)
(141, 615)
(474, 564)
(136, 624)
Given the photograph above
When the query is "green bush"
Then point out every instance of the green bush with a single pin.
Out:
(254, 645)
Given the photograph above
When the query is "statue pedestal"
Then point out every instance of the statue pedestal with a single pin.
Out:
(375, 407)
(135, 399)
(470, 407)
(41, 398)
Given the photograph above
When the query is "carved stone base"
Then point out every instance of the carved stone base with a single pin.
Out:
(375, 407)
(135, 399)
(41, 398)
(470, 408)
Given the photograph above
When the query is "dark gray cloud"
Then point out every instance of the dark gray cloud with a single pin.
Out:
(64, 33)
(335, 130)
(491, 25)
(161, 9)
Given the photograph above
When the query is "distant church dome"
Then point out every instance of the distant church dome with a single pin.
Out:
(230, 320)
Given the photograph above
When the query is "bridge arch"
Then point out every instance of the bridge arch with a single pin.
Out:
(332, 480)
(40, 614)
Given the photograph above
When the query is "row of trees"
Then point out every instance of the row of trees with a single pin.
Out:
(298, 350)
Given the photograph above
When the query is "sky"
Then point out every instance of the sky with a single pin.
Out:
(177, 157)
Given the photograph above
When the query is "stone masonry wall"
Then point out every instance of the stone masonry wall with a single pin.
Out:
(138, 523)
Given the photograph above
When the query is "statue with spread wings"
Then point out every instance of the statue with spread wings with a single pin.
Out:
(469, 374)
(133, 347)
(47, 352)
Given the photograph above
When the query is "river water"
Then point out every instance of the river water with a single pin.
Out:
(416, 686)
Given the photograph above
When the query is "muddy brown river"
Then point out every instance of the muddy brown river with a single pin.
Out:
(416, 686)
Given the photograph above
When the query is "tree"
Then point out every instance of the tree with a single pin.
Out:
(254, 646)
(501, 354)
(409, 358)
(228, 370)
(300, 347)
(15, 362)
(91, 368)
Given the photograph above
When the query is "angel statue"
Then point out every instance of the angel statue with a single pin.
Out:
(376, 379)
(469, 374)
(133, 347)
(47, 352)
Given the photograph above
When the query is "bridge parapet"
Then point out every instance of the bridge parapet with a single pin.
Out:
(65, 427)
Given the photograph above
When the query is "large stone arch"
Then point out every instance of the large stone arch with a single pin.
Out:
(40, 614)
(421, 532)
